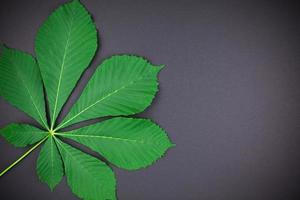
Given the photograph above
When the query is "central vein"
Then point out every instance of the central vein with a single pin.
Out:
(60, 76)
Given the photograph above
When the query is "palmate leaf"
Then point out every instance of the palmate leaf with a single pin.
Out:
(121, 85)
(21, 83)
(65, 44)
(127, 143)
(22, 135)
(88, 177)
(49, 165)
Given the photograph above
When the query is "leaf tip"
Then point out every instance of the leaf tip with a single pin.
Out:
(160, 67)
(75, 1)
(172, 145)
(52, 187)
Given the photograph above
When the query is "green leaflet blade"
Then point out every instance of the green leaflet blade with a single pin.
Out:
(88, 177)
(127, 143)
(21, 135)
(21, 83)
(65, 44)
(49, 165)
(122, 85)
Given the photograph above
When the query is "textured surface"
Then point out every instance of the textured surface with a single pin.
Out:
(21, 83)
(124, 142)
(88, 177)
(121, 85)
(128, 85)
(65, 44)
(49, 164)
(22, 135)
(229, 96)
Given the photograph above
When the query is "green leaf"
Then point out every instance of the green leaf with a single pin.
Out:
(65, 44)
(49, 164)
(122, 85)
(21, 135)
(88, 177)
(21, 83)
(127, 143)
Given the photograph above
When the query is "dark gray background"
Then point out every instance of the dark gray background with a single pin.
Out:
(229, 96)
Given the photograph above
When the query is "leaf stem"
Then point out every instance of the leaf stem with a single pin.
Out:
(23, 156)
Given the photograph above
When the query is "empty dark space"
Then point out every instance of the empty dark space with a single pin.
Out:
(229, 96)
